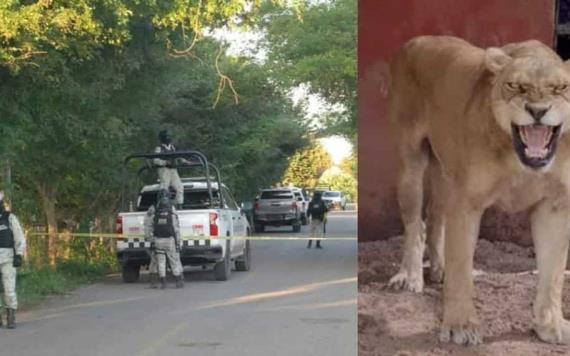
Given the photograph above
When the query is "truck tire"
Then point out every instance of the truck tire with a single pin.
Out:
(131, 273)
(296, 226)
(223, 269)
(243, 264)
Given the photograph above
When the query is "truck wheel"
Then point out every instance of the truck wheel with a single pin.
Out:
(296, 226)
(222, 270)
(131, 273)
(243, 264)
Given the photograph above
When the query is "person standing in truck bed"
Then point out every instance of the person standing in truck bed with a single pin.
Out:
(167, 172)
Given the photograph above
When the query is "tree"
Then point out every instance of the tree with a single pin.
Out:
(349, 165)
(306, 166)
(318, 50)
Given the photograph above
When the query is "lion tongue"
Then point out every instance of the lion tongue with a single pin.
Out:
(536, 138)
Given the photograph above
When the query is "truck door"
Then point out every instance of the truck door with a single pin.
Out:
(237, 222)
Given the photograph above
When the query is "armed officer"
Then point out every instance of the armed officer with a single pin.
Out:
(162, 228)
(12, 247)
(318, 211)
(167, 172)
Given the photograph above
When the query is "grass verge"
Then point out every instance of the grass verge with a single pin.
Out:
(35, 284)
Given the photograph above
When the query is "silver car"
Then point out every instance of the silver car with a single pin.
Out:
(334, 199)
(277, 207)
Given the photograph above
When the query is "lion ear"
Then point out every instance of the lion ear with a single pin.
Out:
(496, 59)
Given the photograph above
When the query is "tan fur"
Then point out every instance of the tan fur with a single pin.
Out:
(452, 105)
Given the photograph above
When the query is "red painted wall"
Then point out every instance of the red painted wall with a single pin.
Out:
(383, 26)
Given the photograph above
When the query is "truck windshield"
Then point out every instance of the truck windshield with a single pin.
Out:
(276, 194)
(193, 199)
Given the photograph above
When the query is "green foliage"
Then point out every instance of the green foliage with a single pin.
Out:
(343, 182)
(306, 166)
(34, 284)
(78, 29)
(319, 50)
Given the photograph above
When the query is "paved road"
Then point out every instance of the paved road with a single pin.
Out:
(294, 301)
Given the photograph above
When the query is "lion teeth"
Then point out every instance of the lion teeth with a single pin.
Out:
(548, 135)
(523, 134)
(536, 153)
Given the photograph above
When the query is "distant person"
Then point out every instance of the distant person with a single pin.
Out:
(167, 172)
(163, 229)
(12, 247)
(318, 211)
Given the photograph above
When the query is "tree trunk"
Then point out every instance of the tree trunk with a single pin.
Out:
(49, 210)
(48, 199)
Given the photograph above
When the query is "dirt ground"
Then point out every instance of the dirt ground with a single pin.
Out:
(406, 324)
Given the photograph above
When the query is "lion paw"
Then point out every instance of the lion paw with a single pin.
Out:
(461, 334)
(556, 333)
(407, 281)
(436, 274)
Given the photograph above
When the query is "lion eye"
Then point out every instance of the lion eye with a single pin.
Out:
(516, 87)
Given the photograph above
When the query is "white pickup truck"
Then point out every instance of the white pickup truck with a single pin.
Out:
(205, 215)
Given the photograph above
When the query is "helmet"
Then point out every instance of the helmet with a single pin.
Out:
(164, 137)
(163, 199)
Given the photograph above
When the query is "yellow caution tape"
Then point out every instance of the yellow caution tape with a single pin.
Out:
(141, 236)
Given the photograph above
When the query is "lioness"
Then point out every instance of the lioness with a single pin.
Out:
(490, 128)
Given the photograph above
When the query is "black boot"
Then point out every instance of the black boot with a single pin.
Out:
(11, 318)
(153, 277)
(180, 281)
(309, 244)
(319, 244)
(162, 282)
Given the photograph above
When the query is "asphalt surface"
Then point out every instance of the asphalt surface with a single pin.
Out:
(294, 301)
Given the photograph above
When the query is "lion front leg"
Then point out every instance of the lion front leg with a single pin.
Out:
(414, 161)
(550, 231)
(460, 324)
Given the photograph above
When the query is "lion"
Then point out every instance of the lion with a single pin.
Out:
(487, 126)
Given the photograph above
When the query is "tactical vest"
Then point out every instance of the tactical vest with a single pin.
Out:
(163, 226)
(318, 209)
(6, 235)
(165, 149)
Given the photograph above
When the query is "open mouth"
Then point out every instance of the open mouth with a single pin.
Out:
(535, 144)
